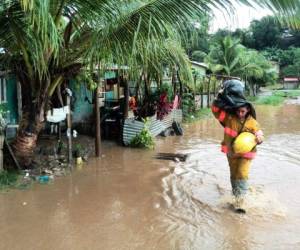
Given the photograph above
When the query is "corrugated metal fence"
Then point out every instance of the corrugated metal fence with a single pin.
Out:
(133, 127)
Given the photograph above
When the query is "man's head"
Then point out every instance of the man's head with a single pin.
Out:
(242, 111)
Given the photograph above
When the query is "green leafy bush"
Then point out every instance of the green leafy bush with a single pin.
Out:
(188, 104)
(144, 139)
(8, 179)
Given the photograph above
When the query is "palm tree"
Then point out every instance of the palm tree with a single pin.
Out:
(46, 42)
(152, 57)
(230, 58)
(225, 56)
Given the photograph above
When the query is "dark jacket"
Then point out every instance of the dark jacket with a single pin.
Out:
(232, 97)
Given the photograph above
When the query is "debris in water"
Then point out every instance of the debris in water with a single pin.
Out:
(172, 156)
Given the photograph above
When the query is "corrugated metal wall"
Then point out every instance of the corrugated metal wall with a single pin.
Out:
(132, 127)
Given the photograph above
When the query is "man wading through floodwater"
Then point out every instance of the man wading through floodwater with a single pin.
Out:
(237, 116)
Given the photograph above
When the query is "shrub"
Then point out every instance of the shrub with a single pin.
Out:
(144, 139)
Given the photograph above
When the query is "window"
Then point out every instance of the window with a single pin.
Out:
(3, 90)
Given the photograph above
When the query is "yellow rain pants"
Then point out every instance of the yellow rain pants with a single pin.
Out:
(239, 171)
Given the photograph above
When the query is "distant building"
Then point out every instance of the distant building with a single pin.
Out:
(291, 82)
(199, 68)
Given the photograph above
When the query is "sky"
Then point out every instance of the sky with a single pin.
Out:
(241, 18)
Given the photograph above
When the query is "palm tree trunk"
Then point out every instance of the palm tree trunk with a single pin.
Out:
(31, 124)
(26, 139)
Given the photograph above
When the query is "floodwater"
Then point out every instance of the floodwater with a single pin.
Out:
(130, 200)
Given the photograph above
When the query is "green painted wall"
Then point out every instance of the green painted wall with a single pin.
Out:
(82, 109)
(11, 104)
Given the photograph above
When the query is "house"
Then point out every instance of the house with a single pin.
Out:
(291, 82)
(199, 68)
(9, 103)
(81, 102)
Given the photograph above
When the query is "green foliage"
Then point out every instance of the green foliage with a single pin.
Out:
(150, 57)
(13, 179)
(8, 179)
(3, 112)
(77, 150)
(229, 57)
(288, 59)
(287, 93)
(258, 70)
(270, 100)
(266, 32)
(225, 56)
(252, 98)
(3, 108)
(87, 79)
(197, 115)
(278, 97)
(291, 62)
(144, 139)
(165, 88)
(198, 55)
(188, 104)
(195, 35)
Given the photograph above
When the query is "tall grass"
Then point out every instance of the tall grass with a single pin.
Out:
(197, 115)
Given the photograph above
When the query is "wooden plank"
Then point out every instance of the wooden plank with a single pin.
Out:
(171, 156)
(12, 155)
(97, 117)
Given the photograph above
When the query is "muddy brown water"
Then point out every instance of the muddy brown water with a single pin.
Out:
(130, 200)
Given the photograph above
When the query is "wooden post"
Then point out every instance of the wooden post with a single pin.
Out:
(118, 87)
(180, 84)
(201, 93)
(69, 127)
(208, 92)
(59, 131)
(1, 152)
(98, 128)
(126, 97)
(12, 154)
(215, 90)
(19, 99)
(173, 82)
(195, 84)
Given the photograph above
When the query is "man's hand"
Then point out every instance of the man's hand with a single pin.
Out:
(259, 136)
(259, 139)
(234, 155)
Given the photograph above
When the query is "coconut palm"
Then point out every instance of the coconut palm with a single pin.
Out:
(45, 42)
(152, 57)
(225, 56)
(230, 58)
